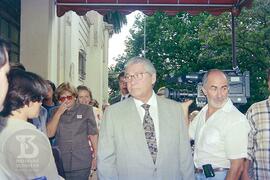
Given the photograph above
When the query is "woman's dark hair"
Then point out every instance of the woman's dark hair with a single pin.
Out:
(17, 65)
(94, 103)
(3, 49)
(52, 85)
(24, 87)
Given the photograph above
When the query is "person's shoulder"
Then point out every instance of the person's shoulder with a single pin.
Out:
(232, 116)
(115, 99)
(259, 105)
(20, 128)
(43, 109)
(168, 102)
(121, 105)
(84, 106)
(235, 114)
(54, 109)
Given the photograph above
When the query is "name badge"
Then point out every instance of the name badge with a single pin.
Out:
(79, 116)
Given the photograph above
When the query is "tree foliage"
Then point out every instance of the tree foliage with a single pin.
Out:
(116, 19)
(183, 44)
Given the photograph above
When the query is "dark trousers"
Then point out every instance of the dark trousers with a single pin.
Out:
(58, 161)
(82, 174)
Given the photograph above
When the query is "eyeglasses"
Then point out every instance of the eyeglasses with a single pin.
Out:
(137, 76)
(63, 98)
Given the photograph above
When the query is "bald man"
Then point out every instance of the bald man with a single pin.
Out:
(220, 132)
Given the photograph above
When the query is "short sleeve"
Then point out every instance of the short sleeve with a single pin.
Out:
(91, 122)
(236, 139)
(251, 135)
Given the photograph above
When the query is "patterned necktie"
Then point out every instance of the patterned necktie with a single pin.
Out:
(150, 135)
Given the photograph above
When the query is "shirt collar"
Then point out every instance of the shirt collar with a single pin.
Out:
(152, 101)
(226, 108)
(126, 96)
(74, 107)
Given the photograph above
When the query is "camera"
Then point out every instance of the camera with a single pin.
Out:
(239, 87)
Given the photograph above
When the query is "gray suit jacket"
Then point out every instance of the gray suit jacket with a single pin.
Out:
(115, 99)
(123, 152)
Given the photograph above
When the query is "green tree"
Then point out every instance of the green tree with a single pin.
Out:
(116, 19)
(183, 44)
(252, 41)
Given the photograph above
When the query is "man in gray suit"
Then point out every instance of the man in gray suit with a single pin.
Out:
(144, 137)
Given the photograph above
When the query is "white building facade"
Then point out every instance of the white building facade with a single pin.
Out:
(70, 48)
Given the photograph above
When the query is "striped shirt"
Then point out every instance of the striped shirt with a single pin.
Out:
(258, 116)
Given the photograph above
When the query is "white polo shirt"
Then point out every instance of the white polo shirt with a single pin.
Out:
(222, 137)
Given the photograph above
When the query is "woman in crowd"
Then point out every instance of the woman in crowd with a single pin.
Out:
(4, 69)
(85, 97)
(25, 151)
(50, 102)
(71, 124)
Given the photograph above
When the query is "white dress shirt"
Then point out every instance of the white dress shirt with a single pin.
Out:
(222, 137)
(153, 110)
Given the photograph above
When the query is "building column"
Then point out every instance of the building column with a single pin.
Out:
(38, 48)
(108, 31)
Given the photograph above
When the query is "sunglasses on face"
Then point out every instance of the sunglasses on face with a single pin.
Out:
(63, 98)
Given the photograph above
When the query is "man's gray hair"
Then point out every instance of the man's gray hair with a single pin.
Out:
(205, 76)
(149, 67)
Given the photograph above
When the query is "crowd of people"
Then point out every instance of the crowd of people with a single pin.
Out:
(49, 132)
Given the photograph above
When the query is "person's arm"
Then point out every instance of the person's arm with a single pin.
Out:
(245, 175)
(236, 168)
(53, 123)
(92, 134)
(93, 140)
(106, 151)
(43, 119)
(251, 141)
(185, 106)
(236, 145)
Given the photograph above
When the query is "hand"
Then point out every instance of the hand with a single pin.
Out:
(187, 103)
(185, 106)
(62, 108)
